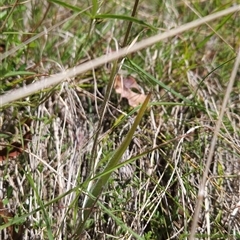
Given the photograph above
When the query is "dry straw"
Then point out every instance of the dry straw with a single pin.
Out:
(57, 78)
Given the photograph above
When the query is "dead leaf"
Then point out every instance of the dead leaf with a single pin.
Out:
(124, 87)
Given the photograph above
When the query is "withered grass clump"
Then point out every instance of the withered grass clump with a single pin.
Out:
(79, 161)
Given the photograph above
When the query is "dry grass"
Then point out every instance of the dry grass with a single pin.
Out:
(153, 193)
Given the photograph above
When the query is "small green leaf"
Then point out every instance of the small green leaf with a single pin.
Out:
(5, 201)
(3, 14)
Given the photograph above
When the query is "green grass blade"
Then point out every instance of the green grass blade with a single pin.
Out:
(113, 161)
(94, 8)
(119, 222)
(125, 18)
(66, 5)
(16, 73)
(219, 26)
(161, 84)
(20, 219)
(42, 207)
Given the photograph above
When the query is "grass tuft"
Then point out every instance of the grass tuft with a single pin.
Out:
(77, 162)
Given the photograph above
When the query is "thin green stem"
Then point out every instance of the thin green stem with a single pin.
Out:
(125, 41)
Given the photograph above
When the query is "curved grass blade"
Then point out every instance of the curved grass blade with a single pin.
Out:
(22, 218)
(69, 6)
(125, 18)
(161, 84)
(113, 161)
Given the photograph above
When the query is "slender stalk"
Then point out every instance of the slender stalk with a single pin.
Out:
(57, 78)
(96, 191)
(212, 147)
(109, 88)
(130, 24)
